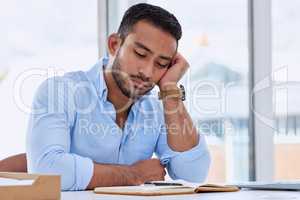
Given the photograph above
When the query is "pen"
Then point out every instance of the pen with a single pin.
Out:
(163, 184)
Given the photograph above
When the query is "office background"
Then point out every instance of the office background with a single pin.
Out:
(242, 86)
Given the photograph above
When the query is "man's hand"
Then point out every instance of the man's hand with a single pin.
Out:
(149, 170)
(175, 72)
(106, 175)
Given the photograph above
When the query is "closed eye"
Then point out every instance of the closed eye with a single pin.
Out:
(139, 54)
(163, 66)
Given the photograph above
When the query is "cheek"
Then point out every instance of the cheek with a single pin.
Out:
(128, 63)
(159, 74)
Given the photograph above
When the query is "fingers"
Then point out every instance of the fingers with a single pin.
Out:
(163, 174)
(150, 170)
(157, 178)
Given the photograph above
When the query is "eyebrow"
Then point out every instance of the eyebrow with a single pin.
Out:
(149, 50)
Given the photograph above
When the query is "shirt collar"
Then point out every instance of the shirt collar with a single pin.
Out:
(95, 75)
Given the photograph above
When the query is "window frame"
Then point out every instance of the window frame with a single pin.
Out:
(261, 105)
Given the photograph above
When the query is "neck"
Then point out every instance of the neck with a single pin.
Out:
(121, 102)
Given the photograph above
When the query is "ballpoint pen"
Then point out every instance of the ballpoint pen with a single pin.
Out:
(162, 183)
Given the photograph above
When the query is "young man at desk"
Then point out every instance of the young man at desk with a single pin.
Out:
(101, 127)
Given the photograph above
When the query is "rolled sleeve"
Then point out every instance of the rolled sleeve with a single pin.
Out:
(75, 171)
(192, 165)
(84, 172)
(49, 138)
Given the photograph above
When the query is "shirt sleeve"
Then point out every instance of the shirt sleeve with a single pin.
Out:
(49, 138)
(192, 165)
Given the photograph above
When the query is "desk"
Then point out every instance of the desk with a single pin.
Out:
(241, 195)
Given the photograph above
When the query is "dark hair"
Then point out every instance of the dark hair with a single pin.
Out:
(155, 15)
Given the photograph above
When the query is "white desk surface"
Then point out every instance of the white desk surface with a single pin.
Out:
(241, 195)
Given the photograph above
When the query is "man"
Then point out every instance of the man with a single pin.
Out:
(101, 127)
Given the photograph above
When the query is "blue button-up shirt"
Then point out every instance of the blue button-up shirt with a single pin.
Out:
(73, 125)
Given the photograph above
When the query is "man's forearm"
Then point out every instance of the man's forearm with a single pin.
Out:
(16, 163)
(112, 175)
(182, 134)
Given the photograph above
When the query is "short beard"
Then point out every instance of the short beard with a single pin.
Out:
(121, 83)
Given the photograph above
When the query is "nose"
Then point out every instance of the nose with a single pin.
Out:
(146, 72)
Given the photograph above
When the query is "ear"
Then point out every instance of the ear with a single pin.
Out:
(114, 43)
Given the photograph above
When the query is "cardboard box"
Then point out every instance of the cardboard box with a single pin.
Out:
(43, 187)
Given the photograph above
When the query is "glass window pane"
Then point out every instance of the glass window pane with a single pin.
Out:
(38, 35)
(286, 47)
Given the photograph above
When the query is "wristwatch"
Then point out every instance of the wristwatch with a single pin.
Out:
(174, 93)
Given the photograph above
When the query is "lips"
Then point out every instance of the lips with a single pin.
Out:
(138, 81)
(139, 84)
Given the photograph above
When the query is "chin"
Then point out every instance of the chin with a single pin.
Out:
(136, 96)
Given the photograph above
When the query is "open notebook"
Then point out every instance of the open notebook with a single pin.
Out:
(151, 190)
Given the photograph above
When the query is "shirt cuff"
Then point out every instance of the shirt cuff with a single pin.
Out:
(84, 172)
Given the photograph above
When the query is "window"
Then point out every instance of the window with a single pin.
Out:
(39, 35)
(286, 46)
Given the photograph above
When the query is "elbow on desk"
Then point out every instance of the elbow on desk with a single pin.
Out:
(56, 165)
(195, 171)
